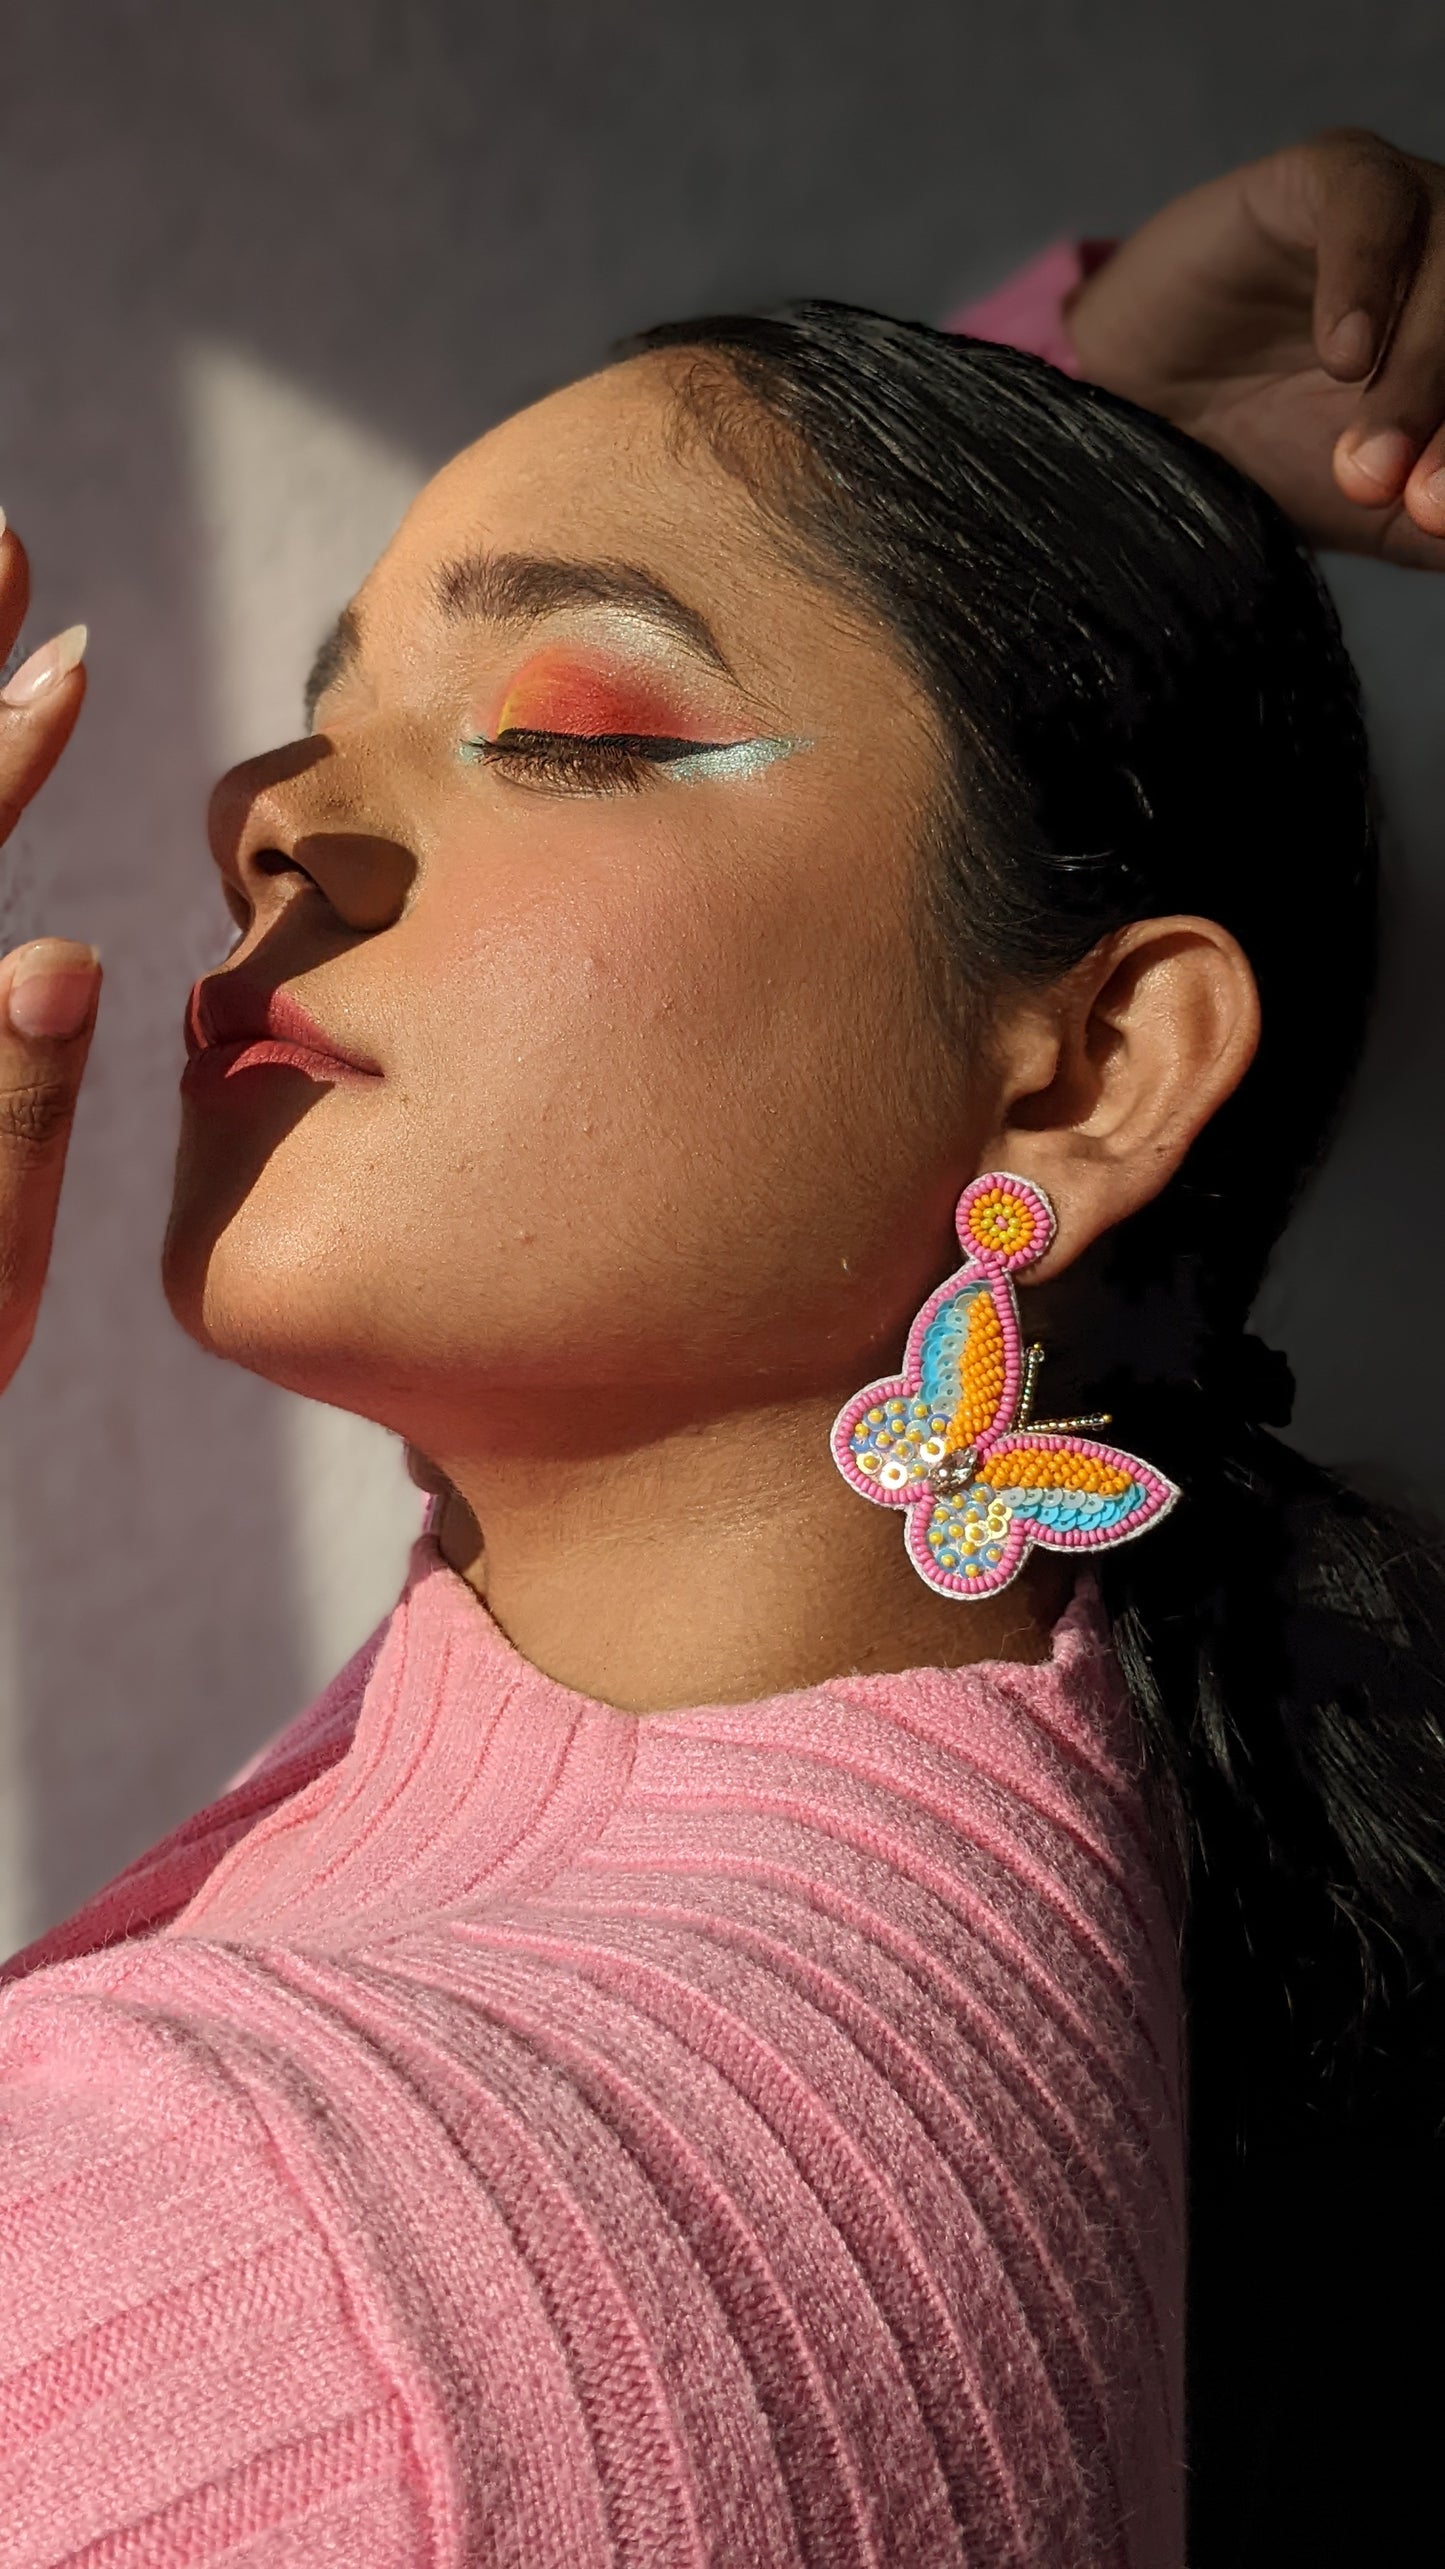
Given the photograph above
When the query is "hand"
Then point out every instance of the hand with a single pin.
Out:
(48, 989)
(1292, 315)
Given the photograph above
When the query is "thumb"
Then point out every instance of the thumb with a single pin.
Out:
(48, 993)
(1370, 214)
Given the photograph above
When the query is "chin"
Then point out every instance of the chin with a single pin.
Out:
(277, 1301)
(320, 1300)
(262, 1263)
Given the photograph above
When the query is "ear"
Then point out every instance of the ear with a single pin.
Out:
(1107, 1078)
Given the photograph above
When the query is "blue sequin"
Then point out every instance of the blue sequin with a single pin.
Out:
(942, 1352)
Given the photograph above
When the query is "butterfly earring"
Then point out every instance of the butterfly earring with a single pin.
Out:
(952, 1439)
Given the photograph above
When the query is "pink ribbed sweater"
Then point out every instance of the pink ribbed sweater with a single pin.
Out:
(555, 2137)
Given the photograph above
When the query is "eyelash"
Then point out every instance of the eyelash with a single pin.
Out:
(582, 763)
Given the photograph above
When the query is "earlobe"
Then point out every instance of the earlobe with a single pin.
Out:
(1153, 1032)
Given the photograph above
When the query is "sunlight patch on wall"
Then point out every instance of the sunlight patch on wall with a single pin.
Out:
(294, 501)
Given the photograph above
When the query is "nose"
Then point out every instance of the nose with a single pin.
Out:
(295, 823)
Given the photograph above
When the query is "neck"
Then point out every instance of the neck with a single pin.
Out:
(716, 1564)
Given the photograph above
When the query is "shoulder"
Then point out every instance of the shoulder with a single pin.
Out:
(180, 2337)
(148, 1893)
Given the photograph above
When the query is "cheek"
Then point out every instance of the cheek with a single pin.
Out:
(654, 1038)
(614, 967)
(594, 1002)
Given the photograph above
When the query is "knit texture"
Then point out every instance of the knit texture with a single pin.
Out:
(553, 2137)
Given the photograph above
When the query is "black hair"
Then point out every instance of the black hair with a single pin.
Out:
(1149, 708)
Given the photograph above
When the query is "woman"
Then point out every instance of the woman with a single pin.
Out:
(678, 2056)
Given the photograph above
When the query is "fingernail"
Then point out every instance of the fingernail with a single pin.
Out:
(4, 522)
(1351, 343)
(1384, 458)
(53, 990)
(46, 667)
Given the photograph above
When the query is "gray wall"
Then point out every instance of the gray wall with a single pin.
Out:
(264, 266)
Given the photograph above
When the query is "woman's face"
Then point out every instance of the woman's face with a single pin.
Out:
(643, 1115)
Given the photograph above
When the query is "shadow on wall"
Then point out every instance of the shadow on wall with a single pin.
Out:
(276, 264)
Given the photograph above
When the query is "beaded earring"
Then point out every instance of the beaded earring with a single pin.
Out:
(953, 1440)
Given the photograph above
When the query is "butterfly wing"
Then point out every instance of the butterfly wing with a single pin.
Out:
(1065, 1493)
(968, 1361)
(968, 1544)
(960, 1376)
(1072, 1493)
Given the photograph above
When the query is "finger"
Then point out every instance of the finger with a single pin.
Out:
(1404, 405)
(38, 709)
(14, 586)
(1405, 542)
(1370, 213)
(426, 1475)
(48, 994)
(1425, 490)
(1410, 393)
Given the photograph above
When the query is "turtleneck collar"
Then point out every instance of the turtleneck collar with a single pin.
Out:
(472, 1777)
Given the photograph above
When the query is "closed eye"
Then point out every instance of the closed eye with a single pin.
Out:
(616, 762)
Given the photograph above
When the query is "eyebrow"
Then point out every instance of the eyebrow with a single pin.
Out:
(340, 650)
(522, 588)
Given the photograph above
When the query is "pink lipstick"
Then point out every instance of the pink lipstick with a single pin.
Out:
(235, 1025)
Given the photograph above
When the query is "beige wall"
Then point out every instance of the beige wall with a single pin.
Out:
(265, 265)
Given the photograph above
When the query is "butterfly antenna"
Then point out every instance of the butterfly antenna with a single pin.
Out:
(1033, 1360)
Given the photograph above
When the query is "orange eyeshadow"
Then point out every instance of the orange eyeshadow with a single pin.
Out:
(566, 690)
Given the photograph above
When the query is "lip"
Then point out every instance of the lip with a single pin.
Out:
(235, 1025)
